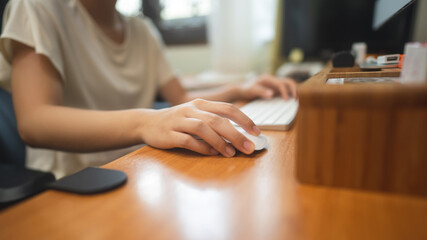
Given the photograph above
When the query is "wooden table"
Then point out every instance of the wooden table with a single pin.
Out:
(181, 195)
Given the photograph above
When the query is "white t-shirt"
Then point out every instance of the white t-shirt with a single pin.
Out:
(97, 73)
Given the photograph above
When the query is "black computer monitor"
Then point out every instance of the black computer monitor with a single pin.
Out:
(387, 9)
(322, 27)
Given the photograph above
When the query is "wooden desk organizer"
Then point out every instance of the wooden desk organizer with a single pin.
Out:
(369, 136)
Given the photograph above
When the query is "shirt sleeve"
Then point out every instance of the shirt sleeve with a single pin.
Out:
(30, 22)
(163, 68)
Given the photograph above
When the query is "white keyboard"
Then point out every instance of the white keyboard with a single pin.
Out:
(272, 114)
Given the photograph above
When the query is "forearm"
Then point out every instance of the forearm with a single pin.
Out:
(174, 93)
(227, 93)
(266, 87)
(78, 130)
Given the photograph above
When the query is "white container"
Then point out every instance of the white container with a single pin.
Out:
(414, 69)
(359, 52)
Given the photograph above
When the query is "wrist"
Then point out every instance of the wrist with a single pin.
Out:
(237, 91)
(143, 118)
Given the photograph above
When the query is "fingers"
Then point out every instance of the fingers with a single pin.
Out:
(263, 92)
(231, 112)
(186, 141)
(285, 87)
(200, 128)
(224, 128)
(179, 126)
(276, 84)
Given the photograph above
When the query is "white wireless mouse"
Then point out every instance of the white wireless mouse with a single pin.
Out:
(259, 141)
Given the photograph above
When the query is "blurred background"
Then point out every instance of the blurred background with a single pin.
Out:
(225, 40)
(229, 40)
(201, 35)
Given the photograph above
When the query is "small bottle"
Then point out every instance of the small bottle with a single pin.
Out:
(358, 50)
(414, 69)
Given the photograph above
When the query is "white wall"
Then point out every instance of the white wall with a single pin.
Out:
(189, 59)
(195, 59)
(420, 31)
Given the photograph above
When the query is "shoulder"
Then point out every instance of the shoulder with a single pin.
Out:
(145, 26)
(38, 4)
(141, 23)
(49, 16)
(45, 8)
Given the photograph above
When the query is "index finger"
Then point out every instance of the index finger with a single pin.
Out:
(231, 112)
(277, 84)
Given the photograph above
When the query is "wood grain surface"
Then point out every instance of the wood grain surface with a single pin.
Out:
(181, 195)
(368, 136)
(357, 72)
(177, 194)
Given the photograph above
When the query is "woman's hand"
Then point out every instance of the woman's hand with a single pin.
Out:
(178, 126)
(268, 86)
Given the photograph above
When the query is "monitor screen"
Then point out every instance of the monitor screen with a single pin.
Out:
(323, 27)
(385, 9)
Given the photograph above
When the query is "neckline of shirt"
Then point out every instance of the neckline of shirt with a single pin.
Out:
(101, 33)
